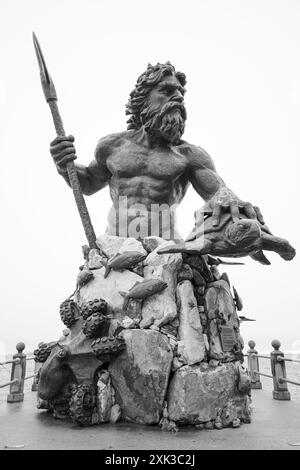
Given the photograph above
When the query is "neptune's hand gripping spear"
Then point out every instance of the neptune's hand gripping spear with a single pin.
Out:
(51, 98)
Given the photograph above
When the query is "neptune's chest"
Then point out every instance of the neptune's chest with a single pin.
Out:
(131, 160)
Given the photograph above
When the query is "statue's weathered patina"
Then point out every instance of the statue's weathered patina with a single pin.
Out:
(145, 306)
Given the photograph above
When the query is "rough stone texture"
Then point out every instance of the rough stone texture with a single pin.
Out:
(200, 290)
(220, 308)
(176, 364)
(104, 397)
(191, 345)
(160, 309)
(108, 289)
(151, 243)
(185, 273)
(115, 414)
(198, 395)
(195, 262)
(215, 272)
(173, 261)
(206, 343)
(128, 322)
(131, 244)
(198, 278)
(96, 261)
(134, 309)
(224, 277)
(171, 329)
(140, 375)
(112, 245)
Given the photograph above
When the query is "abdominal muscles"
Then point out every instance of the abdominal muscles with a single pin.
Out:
(144, 206)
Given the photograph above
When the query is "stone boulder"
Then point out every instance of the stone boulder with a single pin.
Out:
(172, 260)
(111, 245)
(191, 345)
(104, 397)
(185, 273)
(199, 394)
(140, 375)
(160, 309)
(109, 288)
(220, 310)
(152, 242)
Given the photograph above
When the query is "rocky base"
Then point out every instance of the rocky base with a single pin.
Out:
(201, 394)
(168, 353)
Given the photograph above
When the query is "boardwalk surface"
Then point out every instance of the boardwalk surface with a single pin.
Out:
(275, 425)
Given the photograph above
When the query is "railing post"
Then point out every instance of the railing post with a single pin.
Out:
(280, 391)
(253, 365)
(18, 370)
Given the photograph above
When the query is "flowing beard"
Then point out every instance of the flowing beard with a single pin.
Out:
(167, 121)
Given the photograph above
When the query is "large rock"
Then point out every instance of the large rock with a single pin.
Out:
(199, 394)
(131, 244)
(160, 309)
(108, 289)
(218, 296)
(111, 245)
(152, 242)
(95, 260)
(140, 375)
(172, 260)
(104, 397)
(185, 273)
(191, 345)
(220, 311)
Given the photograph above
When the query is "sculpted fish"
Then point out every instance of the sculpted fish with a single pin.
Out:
(84, 276)
(212, 261)
(125, 260)
(237, 299)
(245, 318)
(233, 239)
(142, 290)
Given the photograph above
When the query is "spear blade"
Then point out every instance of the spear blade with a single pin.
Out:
(51, 98)
(46, 80)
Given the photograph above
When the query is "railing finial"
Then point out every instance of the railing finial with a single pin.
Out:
(276, 344)
(18, 370)
(253, 366)
(20, 347)
(278, 369)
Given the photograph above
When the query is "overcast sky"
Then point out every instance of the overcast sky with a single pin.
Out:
(242, 61)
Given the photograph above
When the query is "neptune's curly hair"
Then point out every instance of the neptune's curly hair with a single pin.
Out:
(138, 97)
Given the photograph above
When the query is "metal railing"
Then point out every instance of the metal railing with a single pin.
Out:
(277, 362)
(18, 375)
(278, 370)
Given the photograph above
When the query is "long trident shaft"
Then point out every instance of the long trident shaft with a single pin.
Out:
(51, 98)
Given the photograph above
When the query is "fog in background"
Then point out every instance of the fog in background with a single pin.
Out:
(242, 61)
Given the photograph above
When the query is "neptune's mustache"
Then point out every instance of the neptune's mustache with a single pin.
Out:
(167, 121)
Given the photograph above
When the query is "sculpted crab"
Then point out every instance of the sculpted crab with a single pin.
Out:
(233, 239)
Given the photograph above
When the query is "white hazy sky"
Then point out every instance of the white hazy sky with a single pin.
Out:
(242, 61)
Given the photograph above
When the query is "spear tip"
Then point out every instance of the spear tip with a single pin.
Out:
(46, 80)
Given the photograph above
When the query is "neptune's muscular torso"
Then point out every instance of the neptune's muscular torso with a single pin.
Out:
(146, 181)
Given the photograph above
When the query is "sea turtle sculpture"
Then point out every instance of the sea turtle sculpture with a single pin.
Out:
(232, 239)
